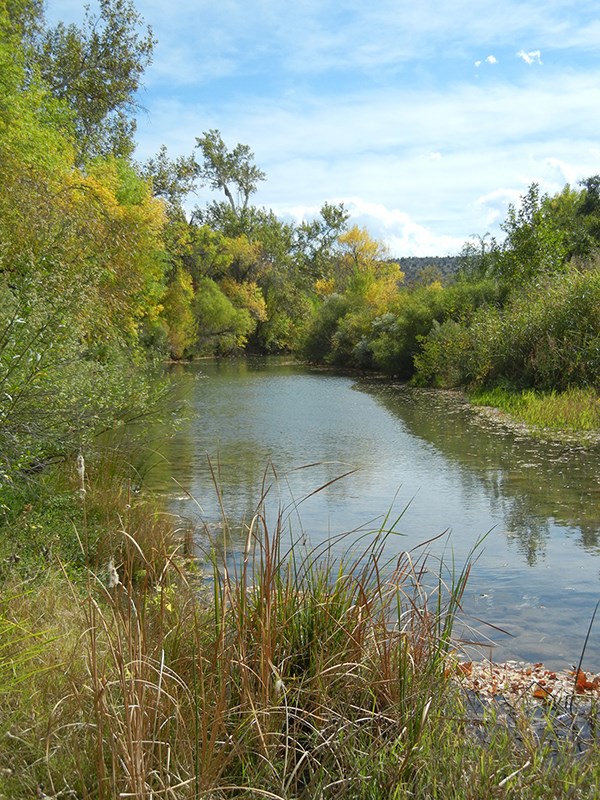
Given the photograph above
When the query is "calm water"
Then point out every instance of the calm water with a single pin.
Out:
(270, 424)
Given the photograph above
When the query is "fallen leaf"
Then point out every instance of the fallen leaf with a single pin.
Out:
(582, 684)
(542, 693)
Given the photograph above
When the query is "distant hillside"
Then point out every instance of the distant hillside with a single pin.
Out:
(427, 269)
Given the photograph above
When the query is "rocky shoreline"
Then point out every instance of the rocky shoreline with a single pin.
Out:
(532, 702)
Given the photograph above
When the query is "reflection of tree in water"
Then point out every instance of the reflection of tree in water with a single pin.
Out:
(530, 533)
(530, 484)
(533, 482)
(589, 538)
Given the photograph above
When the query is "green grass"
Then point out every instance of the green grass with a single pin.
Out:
(296, 675)
(576, 410)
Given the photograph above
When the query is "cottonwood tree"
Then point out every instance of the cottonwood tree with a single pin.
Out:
(97, 70)
(234, 173)
(81, 272)
(172, 179)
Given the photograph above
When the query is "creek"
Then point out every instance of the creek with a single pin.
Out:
(388, 453)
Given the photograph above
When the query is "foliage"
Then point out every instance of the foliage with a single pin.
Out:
(96, 70)
(179, 315)
(223, 327)
(230, 171)
(534, 244)
(523, 311)
(318, 339)
(172, 179)
(383, 325)
(315, 241)
(81, 269)
(547, 337)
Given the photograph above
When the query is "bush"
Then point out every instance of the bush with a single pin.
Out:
(317, 343)
(546, 337)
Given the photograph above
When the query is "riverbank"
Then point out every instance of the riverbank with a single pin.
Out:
(572, 417)
(284, 678)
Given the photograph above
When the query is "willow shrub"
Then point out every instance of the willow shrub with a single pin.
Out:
(397, 336)
(347, 331)
(546, 337)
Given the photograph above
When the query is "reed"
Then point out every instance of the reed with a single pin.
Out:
(285, 672)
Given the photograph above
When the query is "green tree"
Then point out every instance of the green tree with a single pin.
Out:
(172, 179)
(588, 212)
(315, 242)
(97, 70)
(182, 328)
(234, 173)
(81, 271)
(478, 257)
(534, 243)
(223, 328)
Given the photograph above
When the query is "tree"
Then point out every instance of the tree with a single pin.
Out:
(178, 313)
(96, 70)
(535, 244)
(315, 241)
(172, 179)
(588, 212)
(222, 326)
(478, 257)
(232, 172)
(362, 261)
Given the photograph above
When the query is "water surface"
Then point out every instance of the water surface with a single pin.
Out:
(418, 455)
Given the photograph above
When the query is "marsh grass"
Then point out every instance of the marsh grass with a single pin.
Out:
(295, 674)
(572, 410)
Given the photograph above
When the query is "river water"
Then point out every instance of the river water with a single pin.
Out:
(385, 452)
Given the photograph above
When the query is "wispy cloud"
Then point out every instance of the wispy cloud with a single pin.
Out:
(532, 57)
(360, 101)
(384, 148)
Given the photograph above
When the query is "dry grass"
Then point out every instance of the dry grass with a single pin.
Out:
(297, 676)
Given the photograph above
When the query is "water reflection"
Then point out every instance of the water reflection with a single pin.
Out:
(530, 483)
(262, 425)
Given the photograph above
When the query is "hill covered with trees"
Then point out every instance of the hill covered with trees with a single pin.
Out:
(427, 269)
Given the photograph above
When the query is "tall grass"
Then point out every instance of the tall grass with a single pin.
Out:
(297, 674)
(572, 410)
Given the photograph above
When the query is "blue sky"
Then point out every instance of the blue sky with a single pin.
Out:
(425, 118)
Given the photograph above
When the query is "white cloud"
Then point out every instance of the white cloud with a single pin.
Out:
(566, 173)
(385, 147)
(375, 103)
(488, 60)
(399, 231)
(494, 204)
(395, 228)
(532, 57)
